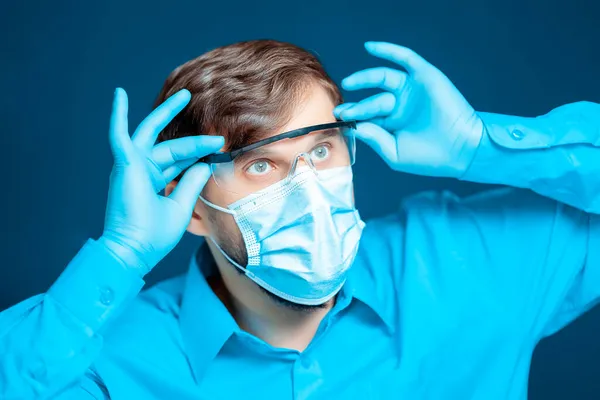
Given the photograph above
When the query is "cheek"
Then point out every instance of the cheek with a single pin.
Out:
(227, 234)
(217, 195)
(221, 226)
(224, 225)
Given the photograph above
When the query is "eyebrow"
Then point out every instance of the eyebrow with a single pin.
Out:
(261, 151)
(326, 133)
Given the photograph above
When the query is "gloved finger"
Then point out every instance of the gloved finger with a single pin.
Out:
(171, 151)
(403, 56)
(189, 187)
(380, 140)
(147, 132)
(391, 80)
(174, 170)
(379, 105)
(340, 108)
(118, 132)
(378, 121)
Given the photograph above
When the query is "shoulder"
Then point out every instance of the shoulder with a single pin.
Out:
(488, 209)
(430, 223)
(424, 209)
(434, 203)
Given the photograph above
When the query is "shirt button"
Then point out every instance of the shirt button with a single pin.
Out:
(305, 362)
(106, 296)
(517, 134)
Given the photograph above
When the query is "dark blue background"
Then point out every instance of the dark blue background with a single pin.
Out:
(60, 62)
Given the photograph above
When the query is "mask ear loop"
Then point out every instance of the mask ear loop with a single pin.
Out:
(216, 207)
(225, 210)
(249, 274)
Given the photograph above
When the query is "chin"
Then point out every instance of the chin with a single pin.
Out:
(294, 306)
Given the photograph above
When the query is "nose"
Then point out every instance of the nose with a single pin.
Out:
(302, 159)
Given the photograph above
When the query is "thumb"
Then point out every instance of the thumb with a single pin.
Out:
(380, 140)
(189, 187)
(338, 110)
(120, 142)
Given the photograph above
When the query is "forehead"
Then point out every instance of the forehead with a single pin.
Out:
(315, 108)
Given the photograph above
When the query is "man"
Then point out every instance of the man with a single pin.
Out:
(292, 295)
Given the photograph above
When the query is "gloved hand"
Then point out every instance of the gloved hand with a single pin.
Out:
(421, 124)
(141, 227)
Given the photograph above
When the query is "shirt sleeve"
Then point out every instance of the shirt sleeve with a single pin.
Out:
(49, 341)
(556, 155)
(531, 259)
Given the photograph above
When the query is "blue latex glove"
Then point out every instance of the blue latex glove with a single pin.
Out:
(421, 124)
(142, 226)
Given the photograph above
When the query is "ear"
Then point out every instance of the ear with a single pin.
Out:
(197, 224)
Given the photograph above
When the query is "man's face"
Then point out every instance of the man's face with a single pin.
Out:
(316, 108)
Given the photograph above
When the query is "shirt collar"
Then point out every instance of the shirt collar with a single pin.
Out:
(206, 324)
(361, 285)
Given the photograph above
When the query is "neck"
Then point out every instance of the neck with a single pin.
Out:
(278, 324)
(258, 314)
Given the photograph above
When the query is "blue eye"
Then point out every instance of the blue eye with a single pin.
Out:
(260, 167)
(320, 153)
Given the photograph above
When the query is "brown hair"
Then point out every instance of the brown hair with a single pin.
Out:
(243, 91)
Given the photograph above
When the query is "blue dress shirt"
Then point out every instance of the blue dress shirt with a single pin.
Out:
(447, 298)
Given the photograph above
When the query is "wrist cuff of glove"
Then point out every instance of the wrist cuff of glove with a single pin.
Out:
(126, 254)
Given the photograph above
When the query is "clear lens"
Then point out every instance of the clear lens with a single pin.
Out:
(269, 164)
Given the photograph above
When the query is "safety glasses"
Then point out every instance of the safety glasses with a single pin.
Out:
(254, 167)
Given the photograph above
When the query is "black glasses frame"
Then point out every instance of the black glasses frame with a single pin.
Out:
(217, 158)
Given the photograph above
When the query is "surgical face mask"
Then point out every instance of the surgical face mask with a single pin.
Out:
(301, 234)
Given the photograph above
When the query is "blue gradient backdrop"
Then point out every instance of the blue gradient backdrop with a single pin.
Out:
(60, 62)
